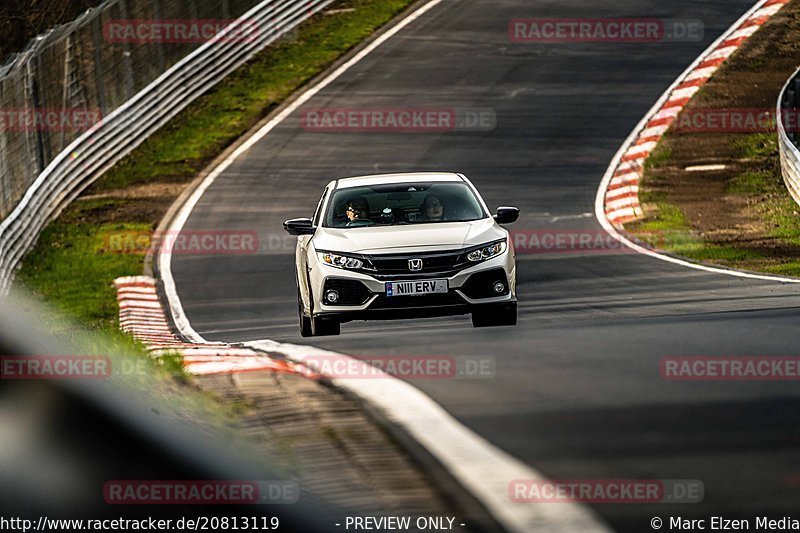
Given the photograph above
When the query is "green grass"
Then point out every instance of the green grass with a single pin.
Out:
(783, 214)
(69, 267)
(668, 229)
(702, 251)
(752, 182)
(790, 268)
(659, 157)
(757, 145)
(668, 217)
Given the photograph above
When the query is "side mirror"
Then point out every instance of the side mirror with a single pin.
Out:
(506, 215)
(299, 226)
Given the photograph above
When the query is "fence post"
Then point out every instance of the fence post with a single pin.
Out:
(126, 55)
(160, 44)
(100, 87)
(32, 92)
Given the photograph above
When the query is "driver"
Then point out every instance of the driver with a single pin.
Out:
(357, 209)
(432, 208)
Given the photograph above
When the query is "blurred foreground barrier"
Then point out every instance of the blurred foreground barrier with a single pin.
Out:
(72, 436)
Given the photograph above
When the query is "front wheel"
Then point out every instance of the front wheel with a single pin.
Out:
(305, 322)
(325, 326)
(495, 315)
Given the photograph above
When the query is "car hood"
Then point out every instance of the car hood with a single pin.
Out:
(408, 238)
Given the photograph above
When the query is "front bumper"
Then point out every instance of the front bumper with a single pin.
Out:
(466, 291)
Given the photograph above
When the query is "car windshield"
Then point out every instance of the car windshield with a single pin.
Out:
(403, 203)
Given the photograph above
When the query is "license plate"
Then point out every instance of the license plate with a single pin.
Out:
(416, 288)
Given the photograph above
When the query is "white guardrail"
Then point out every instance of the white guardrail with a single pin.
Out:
(790, 155)
(108, 141)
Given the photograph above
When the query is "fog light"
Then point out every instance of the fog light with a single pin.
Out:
(331, 297)
(499, 287)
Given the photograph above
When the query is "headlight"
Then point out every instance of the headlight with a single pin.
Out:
(340, 261)
(487, 252)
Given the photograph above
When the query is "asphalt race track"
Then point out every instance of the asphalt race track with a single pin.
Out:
(577, 391)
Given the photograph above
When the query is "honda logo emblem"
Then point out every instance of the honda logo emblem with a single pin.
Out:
(415, 265)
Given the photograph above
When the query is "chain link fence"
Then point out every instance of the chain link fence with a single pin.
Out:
(69, 78)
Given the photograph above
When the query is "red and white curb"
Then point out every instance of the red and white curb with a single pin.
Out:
(621, 194)
(142, 316)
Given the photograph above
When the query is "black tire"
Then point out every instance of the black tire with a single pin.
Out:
(325, 326)
(495, 315)
(318, 327)
(305, 322)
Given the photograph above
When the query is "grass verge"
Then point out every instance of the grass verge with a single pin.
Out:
(718, 196)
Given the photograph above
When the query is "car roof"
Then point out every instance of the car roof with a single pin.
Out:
(407, 177)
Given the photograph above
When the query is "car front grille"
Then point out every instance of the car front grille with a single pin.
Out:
(434, 264)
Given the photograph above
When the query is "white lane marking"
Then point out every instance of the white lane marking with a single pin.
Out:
(479, 466)
(483, 469)
(570, 217)
(657, 112)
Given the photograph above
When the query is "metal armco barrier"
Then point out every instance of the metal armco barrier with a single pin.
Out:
(789, 99)
(117, 134)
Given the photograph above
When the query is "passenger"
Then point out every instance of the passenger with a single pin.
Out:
(432, 208)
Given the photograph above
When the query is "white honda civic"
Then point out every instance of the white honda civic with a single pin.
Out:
(403, 246)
